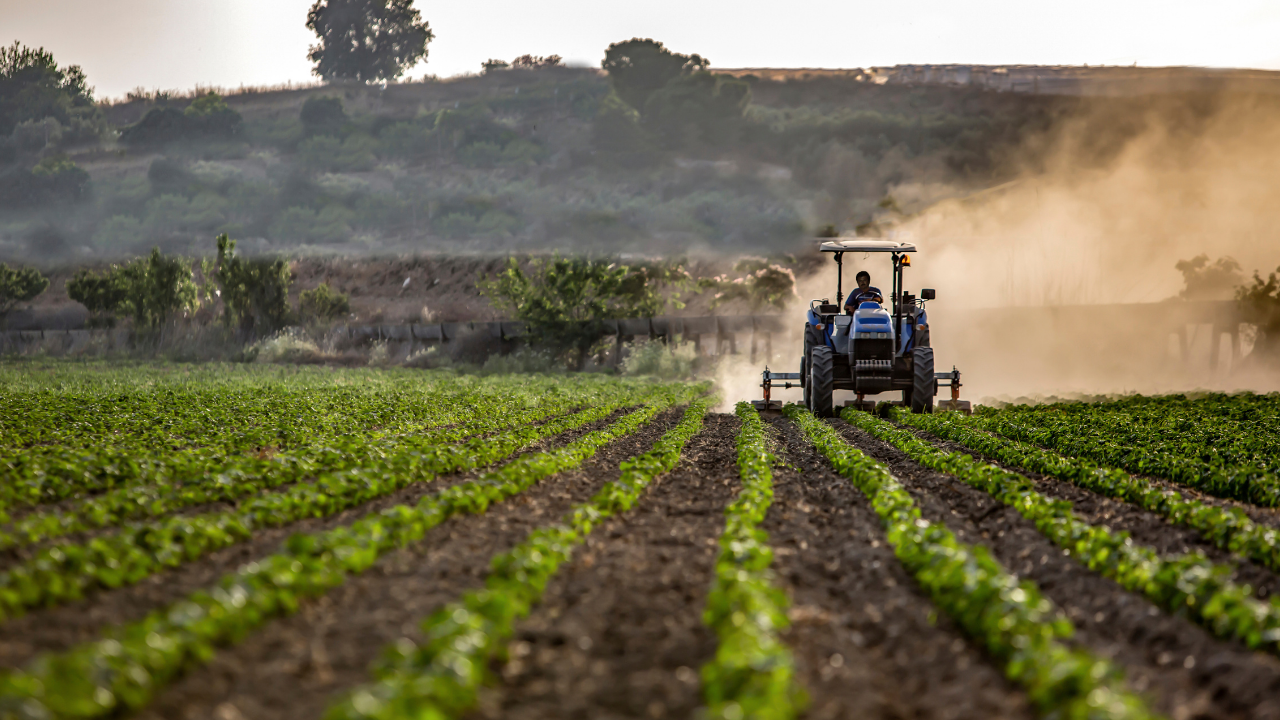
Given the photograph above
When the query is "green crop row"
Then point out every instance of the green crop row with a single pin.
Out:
(1234, 462)
(1228, 528)
(1186, 584)
(184, 480)
(124, 670)
(753, 672)
(55, 473)
(439, 678)
(63, 572)
(167, 418)
(1011, 619)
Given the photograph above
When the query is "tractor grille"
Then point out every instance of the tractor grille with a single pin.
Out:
(873, 365)
(871, 336)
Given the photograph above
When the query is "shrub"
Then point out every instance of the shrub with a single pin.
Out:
(117, 231)
(208, 116)
(255, 293)
(55, 179)
(522, 362)
(323, 303)
(19, 285)
(656, 359)
(36, 135)
(323, 116)
(304, 225)
(290, 345)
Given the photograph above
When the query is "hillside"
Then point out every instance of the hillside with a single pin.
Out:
(515, 160)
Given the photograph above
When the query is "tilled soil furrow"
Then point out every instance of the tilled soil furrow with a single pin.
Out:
(1144, 526)
(619, 632)
(294, 667)
(1185, 671)
(864, 643)
(59, 628)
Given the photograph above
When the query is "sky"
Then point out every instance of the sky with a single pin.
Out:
(179, 44)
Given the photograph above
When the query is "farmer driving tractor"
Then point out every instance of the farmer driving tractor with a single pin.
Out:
(864, 293)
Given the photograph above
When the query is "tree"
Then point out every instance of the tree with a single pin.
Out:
(640, 67)
(564, 299)
(762, 285)
(366, 40)
(537, 62)
(698, 109)
(323, 116)
(155, 288)
(1259, 304)
(102, 294)
(254, 293)
(19, 285)
(33, 87)
(1209, 281)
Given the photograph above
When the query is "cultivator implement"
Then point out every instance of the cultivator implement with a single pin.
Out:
(769, 379)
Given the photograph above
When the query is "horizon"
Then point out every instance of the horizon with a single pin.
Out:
(157, 45)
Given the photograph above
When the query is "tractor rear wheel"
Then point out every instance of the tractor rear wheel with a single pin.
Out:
(923, 384)
(821, 379)
(804, 378)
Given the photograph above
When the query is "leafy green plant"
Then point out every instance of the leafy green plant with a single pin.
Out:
(1188, 584)
(439, 678)
(1010, 618)
(124, 670)
(1228, 528)
(65, 571)
(1213, 445)
(753, 672)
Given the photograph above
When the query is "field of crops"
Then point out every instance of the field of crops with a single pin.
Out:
(249, 542)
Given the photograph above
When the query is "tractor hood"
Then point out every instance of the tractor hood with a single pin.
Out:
(866, 245)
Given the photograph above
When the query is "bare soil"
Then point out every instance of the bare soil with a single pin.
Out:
(864, 635)
(619, 633)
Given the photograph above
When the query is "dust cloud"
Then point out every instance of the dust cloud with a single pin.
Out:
(1102, 209)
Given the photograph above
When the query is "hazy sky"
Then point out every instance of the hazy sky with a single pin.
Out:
(177, 44)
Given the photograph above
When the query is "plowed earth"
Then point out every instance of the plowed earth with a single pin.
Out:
(619, 634)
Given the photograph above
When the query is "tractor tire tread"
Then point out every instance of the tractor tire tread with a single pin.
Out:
(821, 380)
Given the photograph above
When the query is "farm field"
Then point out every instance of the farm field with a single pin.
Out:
(229, 542)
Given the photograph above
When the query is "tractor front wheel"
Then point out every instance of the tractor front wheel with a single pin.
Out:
(923, 383)
(821, 379)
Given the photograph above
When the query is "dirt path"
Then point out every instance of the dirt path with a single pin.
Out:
(1184, 671)
(619, 633)
(59, 628)
(294, 667)
(861, 630)
(1146, 528)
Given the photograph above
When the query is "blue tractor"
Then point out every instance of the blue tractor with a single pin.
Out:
(868, 349)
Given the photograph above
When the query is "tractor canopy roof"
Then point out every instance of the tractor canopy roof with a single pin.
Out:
(856, 244)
